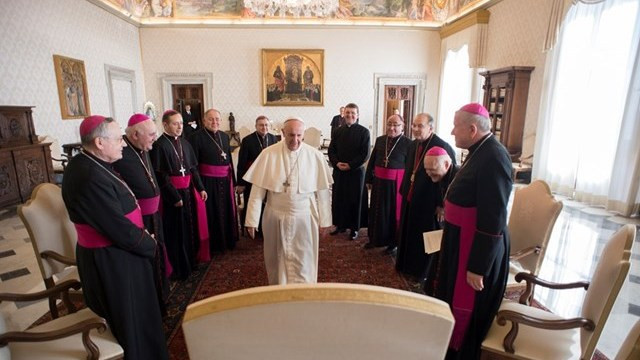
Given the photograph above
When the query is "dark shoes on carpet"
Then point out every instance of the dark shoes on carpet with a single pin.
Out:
(337, 231)
(353, 235)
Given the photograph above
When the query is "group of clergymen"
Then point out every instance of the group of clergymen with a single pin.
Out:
(149, 207)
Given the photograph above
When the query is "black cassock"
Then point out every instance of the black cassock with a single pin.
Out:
(476, 239)
(385, 178)
(117, 280)
(136, 170)
(419, 202)
(181, 235)
(209, 148)
(349, 201)
(252, 146)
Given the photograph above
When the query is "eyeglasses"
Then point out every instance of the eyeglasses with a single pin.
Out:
(393, 125)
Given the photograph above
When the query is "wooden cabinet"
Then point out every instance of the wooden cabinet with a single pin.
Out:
(24, 163)
(505, 96)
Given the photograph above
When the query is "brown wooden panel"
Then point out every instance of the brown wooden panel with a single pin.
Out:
(16, 126)
(31, 169)
(9, 193)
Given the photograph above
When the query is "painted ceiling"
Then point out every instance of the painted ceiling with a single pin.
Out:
(412, 13)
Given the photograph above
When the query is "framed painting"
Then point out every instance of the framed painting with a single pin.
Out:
(72, 87)
(292, 77)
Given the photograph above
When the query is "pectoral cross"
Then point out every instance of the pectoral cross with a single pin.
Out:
(224, 155)
(182, 170)
(413, 177)
(385, 162)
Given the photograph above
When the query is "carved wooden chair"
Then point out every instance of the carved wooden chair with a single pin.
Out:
(318, 321)
(537, 334)
(53, 237)
(533, 215)
(79, 335)
(630, 349)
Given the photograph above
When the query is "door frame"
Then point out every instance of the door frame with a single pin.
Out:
(169, 79)
(112, 73)
(418, 80)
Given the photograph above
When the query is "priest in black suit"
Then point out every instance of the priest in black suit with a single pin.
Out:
(337, 121)
(252, 145)
(348, 152)
(213, 153)
(475, 243)
(420, 198)
(190, 123)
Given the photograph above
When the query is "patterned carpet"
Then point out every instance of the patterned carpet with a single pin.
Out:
(340, 260)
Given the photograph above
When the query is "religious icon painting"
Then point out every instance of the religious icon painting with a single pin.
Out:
(72, 87)
(292, 77)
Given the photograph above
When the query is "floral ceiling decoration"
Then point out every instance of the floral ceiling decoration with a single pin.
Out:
(419, 13)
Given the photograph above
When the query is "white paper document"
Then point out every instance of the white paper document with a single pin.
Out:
(432, 240)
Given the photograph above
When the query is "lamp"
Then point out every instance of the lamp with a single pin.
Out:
(297, 8)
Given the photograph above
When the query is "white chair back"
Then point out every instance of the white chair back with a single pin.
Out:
(318, 321)
(313, 137)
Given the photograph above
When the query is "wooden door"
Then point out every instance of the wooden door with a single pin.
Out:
(189, 94)
(399, 99)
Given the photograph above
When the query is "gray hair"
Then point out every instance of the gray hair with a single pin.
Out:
(100, 131)
(482, 123)
(430, 120)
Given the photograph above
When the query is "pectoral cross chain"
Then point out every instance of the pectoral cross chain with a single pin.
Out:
(182, 170)
(385, 162)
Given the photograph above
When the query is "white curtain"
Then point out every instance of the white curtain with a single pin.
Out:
(455, 90)
(587, 106)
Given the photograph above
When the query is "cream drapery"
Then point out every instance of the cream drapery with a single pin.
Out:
(587, 146)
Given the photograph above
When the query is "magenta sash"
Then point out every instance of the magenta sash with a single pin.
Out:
(221, 171)
(89, 237)
(218, 171)
(464, 295)
(182, 182)
(392, 174)
(149, 206)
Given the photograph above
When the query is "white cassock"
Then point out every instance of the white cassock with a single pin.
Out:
(298, 202)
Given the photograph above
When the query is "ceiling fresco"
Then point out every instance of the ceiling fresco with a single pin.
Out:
(412, 11)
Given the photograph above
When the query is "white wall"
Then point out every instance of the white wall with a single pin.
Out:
(233, 57)
(31, 31)
(516, 37)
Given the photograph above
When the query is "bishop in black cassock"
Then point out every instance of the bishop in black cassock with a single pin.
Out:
(114, 252)
(136, 170)
(420, 197)
(252, 145)
(183, 215)
(348, 152)
(384, 175)
(475, 243)
(213, 153)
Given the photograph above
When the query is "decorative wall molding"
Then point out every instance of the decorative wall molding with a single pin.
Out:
(112, 73)
(476, 17)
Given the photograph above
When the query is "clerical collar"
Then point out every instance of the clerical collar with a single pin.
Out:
(174, 138)
(211, 132)
(477, 144)
(130, 144)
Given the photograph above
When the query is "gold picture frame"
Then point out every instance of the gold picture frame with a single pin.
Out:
(292, 77)
(72, 87)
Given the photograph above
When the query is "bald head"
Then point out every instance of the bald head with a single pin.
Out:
(437, 166)
(395, 126)
(142, 135)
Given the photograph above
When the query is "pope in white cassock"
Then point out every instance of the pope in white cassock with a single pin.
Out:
(297, 178)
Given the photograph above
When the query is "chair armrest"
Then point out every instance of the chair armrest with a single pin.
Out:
(83, 327)
(518, 318)
(533, 280)
(48, 254)
(525, 252)
(60, 288)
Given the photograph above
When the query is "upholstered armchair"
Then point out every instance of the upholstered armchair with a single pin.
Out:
(318, 321)
(533, 215)
(520, 331)
(79, 335)
(630, 348)
(53, 238)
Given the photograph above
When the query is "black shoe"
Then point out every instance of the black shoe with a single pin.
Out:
(354, 235)
(369, 245)
(391, 250)
(337, 231)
